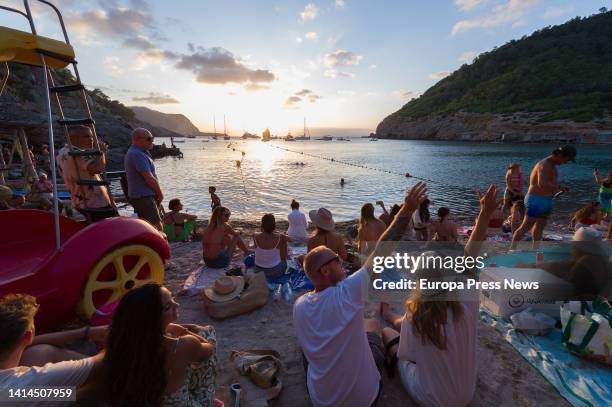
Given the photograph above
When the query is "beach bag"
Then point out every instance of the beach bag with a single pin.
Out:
(254, 296)
(587, 329)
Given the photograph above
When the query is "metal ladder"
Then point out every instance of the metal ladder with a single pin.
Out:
(51, 88)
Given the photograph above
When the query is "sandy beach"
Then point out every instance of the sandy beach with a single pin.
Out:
(504, 377)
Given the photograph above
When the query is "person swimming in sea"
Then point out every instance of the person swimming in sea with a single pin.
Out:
(341, 182)
(543, 188)
(215, 201)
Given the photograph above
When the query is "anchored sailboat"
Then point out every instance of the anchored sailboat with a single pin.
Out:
(304, 136)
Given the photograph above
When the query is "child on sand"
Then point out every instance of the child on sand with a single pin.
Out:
(42, 192)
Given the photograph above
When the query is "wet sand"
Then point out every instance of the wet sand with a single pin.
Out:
(504, 377)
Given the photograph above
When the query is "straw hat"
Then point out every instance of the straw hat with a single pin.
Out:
(225, 288)
(322, 218)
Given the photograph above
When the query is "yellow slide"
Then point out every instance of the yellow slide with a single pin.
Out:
(19, 46)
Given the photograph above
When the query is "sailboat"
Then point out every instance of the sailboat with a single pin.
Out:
(289, 137)
(225, 136)
(265, 135)
(214, 137)
(304, 136)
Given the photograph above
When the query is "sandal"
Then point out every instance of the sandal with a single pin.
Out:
(391, 359)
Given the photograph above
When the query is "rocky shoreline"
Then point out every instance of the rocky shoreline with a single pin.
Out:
(490, 127)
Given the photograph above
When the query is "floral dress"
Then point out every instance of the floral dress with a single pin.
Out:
(199, 386)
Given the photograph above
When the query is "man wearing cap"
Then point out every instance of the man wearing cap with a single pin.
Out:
(542, 189)
(343, 351)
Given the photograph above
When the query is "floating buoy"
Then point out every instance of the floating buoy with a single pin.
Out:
(243, 153)
(407, 175)
(238, 163)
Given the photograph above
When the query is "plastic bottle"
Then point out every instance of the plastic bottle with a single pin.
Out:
(277, 293)
(288, 293)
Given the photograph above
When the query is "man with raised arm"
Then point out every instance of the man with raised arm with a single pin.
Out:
(144, 192)
(542, 189)
(343, 351)
(74, 168)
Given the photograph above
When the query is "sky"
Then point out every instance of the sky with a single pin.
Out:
(272, 63)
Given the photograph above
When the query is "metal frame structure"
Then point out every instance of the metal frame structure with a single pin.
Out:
(49, 86)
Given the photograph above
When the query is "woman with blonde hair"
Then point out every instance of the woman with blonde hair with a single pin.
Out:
(435, 341)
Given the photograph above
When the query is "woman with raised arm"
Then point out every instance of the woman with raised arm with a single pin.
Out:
(437, 344)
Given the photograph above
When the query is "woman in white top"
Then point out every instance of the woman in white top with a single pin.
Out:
(298, 224)
(437, 338)
(270, 248)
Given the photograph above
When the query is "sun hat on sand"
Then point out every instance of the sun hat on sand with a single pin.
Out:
(322, 218)
(225, 288)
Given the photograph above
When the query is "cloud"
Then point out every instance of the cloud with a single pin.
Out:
(255, 87)
(554, 12)
(292, 102)
(340, 3)
(403, 94)
(467, 5)
(155, 99)
(219, 66)
(110, 64)
(468, 56)
(111, 20)
(333, 73)
(341, 58)
(303, 92)
(439, 75)
(512, 11)
(139, 42)
(311, 35)
(298, 40)
(347, 92)
(311, 11)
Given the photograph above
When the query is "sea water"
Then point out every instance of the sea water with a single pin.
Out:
(268, 177)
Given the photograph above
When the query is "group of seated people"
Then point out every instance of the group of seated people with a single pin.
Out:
(146, 358)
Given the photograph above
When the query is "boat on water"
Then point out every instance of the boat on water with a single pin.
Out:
(305, 135)
(225, 135)
(325, 138)
(373, 139)
(289, 137)
(342, 139)
(179, 141)
(265, 135)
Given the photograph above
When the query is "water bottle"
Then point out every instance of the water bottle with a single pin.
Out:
(277, 293)
(288, 293)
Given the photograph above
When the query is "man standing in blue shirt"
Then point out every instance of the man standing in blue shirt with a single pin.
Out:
(144, 192)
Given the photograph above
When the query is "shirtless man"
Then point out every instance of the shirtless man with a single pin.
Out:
(219, 240)
(542, 189)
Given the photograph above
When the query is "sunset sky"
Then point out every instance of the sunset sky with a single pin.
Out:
(340, 63)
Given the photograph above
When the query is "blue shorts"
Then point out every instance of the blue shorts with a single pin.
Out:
(219, 262)
(538, 206)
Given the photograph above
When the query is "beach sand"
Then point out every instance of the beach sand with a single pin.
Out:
(504, 377)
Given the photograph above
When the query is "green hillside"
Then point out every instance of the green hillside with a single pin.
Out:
(564, 71)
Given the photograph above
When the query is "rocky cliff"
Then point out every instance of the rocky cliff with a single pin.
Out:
(555, 84)
(178, 123)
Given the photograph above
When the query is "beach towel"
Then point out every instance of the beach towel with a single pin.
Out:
(580, 381)
(200, 278)
(188, 229)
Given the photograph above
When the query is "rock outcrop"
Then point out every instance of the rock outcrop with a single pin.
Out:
(516, 127)
(177, 123)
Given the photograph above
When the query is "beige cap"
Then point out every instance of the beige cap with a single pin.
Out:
(317, 257)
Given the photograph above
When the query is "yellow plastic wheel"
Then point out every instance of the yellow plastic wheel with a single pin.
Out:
(117, 273)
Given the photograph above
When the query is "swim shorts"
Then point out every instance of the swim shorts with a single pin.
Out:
(221, 261)
(538, 206)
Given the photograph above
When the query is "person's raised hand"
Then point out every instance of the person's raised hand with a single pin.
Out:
(416, 196)
(379, 203)
(488, 201)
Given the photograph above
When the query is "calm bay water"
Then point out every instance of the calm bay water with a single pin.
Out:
(269, 178)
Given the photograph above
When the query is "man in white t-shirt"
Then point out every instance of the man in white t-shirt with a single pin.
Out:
(17, 333)
(344, 352)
